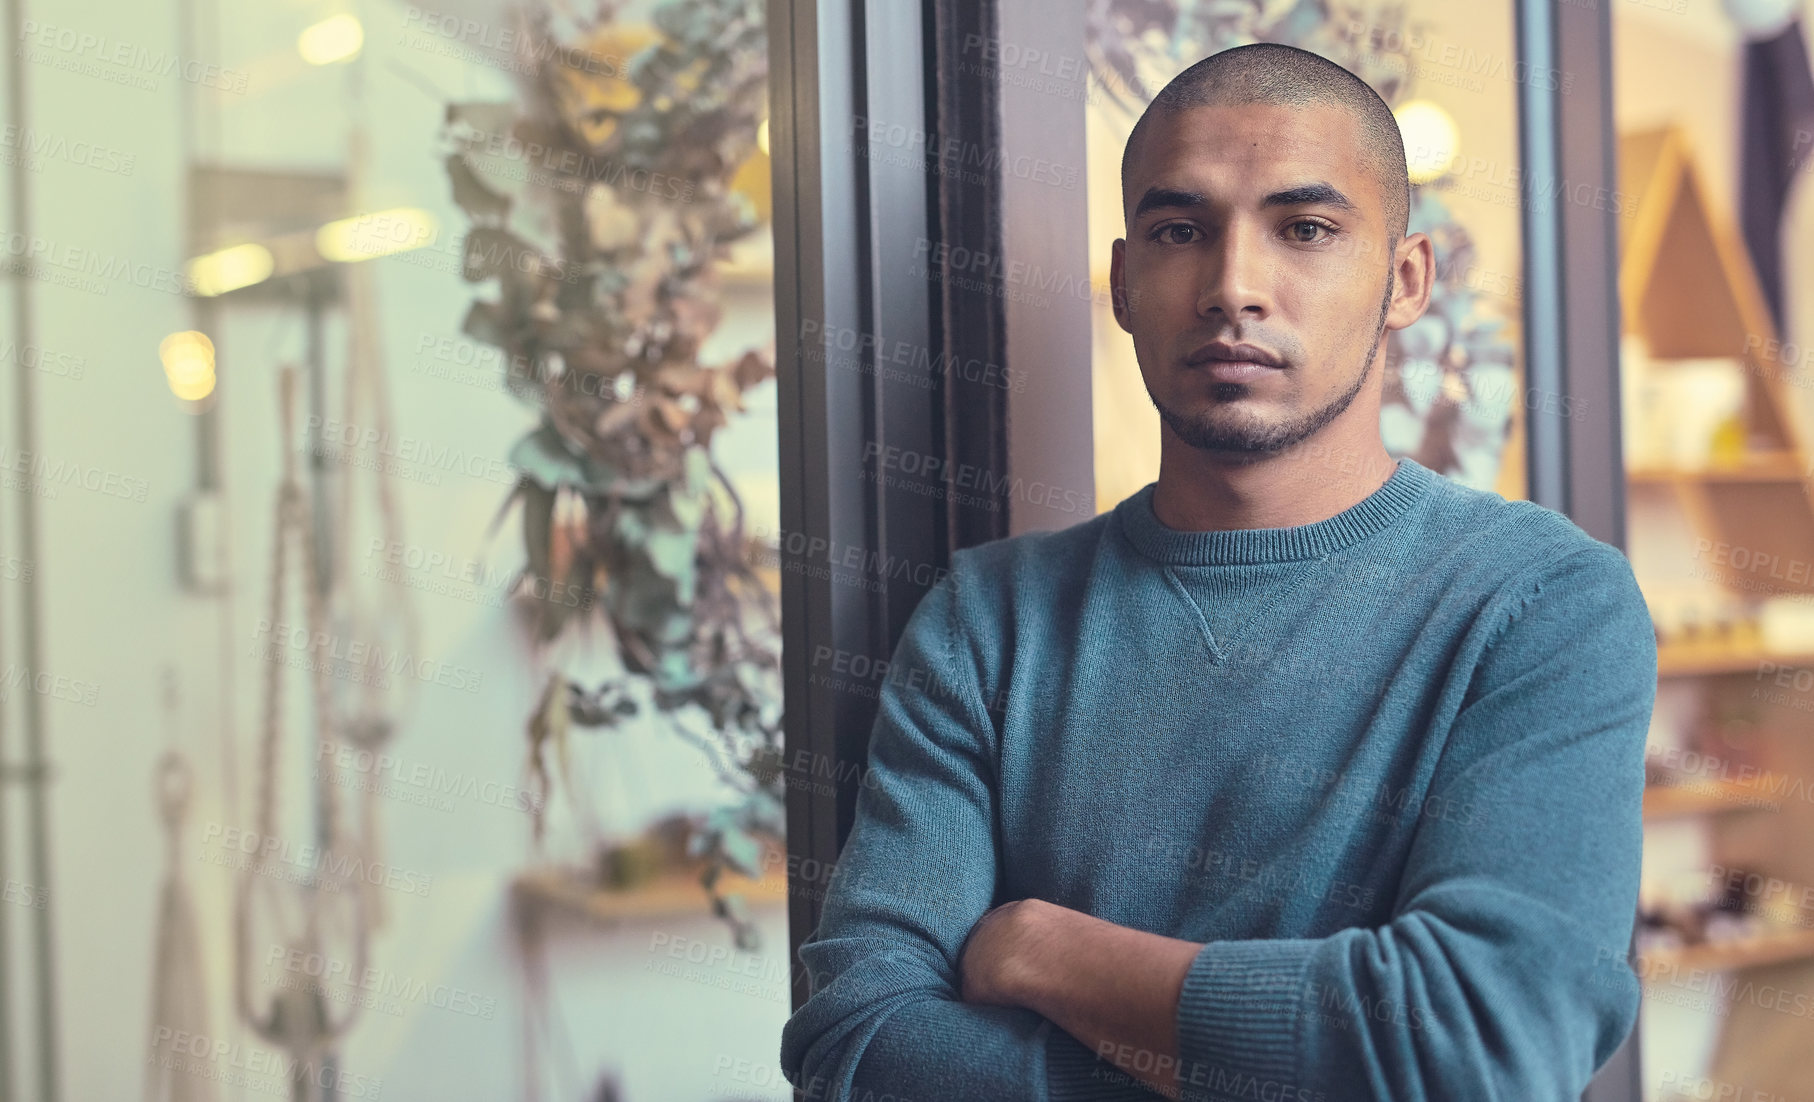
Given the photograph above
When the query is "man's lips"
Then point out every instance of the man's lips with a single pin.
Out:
(1236, 371)
(1235, 363)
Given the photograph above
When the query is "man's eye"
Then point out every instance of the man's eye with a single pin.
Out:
(1305, 231)
(1168, 234)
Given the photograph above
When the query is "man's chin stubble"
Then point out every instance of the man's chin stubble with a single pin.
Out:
(1251, 443)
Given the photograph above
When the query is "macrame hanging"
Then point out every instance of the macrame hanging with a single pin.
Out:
(298, 1019)
(384, 618)
(179, 988)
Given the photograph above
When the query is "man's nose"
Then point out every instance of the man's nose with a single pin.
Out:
(1235, 276)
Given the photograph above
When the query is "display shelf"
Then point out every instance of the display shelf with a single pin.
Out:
(669, 895)
(1675, 801)
(1694, 659)
(1750, 952)
(1763, 466)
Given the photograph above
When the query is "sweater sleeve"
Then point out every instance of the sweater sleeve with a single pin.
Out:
(884, 1022)
(1502, 974)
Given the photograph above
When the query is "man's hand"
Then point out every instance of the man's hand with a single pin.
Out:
(1113, 988)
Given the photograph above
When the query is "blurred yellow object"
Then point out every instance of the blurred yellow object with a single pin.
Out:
(1431, 138)
(592, 78)
(195, 391)
(230, 269)
(1729, 439)
(188, 358)
(753, 182)
(380, 233)
(338, 38)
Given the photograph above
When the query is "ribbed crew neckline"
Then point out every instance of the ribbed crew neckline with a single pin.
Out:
(1236, 546)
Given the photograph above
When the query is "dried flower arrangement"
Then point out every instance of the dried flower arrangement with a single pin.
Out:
(617, 165)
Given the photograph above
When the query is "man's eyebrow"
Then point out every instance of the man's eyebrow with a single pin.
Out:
(1317, 194)
(1164, 198)
(1314, 194)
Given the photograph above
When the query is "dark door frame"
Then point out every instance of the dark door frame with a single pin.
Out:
(869, 108)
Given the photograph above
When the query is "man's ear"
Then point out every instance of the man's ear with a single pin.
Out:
(1413, 275)
(1118, 284)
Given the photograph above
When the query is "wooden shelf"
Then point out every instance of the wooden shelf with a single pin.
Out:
(1779, 466)
(671, 895)
(1752, 952)
(1688, 659)
(1702, 797)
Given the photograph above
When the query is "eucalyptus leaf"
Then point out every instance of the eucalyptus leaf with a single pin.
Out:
(744, 852)
(547, 460)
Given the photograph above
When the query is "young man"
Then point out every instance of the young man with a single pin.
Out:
(1301, 775)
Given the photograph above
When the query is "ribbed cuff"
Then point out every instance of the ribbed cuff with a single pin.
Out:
(1074, 1074)
(1238, 1016)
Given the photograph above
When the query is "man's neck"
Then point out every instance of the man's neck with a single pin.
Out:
(1201, 491)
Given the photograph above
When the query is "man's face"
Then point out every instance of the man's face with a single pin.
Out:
(1256, 225)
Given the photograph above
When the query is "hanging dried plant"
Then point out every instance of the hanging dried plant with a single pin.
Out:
(601, 206)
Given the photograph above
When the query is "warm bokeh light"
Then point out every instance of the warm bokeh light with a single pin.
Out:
(762, 137)
(1430, 139)
(194, 390)
(331, 40)
(188, 358)
(230, 269)
(380, 233)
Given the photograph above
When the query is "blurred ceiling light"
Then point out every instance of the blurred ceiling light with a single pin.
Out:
(230, 269)
(188, 359)
(195, 391)
(1430, 139)
(762, 137)
(336, 39)
(380, 233)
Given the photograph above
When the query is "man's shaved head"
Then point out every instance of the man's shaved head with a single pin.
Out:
(1267, 72)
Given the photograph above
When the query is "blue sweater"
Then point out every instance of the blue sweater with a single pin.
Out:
(1388, 766)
